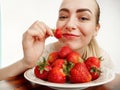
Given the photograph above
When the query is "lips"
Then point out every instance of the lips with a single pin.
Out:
(70, 35)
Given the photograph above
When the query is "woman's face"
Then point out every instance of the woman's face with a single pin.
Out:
(77, 21)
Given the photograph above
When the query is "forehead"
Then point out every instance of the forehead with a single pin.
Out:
(73, 5)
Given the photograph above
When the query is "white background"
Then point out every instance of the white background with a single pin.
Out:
(18, 15)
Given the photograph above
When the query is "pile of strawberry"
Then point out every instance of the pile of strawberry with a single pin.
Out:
(67, 65)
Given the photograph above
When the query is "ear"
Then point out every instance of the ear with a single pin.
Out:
(97, 29)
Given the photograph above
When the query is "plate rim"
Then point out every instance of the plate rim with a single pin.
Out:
(67, 85)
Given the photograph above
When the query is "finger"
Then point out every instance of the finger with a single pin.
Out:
(41, 27)
(33, 33)
(46, 29)
(34, 24)
(49, 31)
(38, 26)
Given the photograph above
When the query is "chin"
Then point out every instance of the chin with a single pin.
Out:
(73, 46)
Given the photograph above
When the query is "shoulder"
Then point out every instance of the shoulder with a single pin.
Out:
(104, 54)
(106, 62)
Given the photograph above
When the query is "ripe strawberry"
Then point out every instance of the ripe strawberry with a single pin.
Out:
(57, 75)
(64, 51)
(95, 73)
(93, 65)
(41, 70)
(79, 73)
(58, 63)
(58, 33)
(92, 62)
(74, 57)
(42, 74)
(52, 57)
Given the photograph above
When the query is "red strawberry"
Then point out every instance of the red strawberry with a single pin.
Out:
(41, 70)
(42, 74)
(95, 73)
(57, 75)
(58, 63)
(92, 62)
(93, 65)
(79, 73)
(58, 33)
(52, 57)
(64, 51)
(74, 57)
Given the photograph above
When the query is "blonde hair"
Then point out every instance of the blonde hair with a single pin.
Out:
(92, 49)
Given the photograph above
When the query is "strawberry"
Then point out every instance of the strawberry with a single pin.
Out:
(58, 63)
(95, 73)
(42, 75)
(79, 73)
(41, 70)
(58, 33)
(92, 62)
(57, 75)
(93, 65)
(64, 51)
(52, 57)
(74, 57)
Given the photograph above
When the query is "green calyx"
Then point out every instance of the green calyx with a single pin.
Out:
(95, 70)
(42, 65)
(67, 67)
(101, 58)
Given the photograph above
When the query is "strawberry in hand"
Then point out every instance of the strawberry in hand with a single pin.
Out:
(58, 33)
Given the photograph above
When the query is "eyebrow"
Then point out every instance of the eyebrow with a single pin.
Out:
(64, 9)
(79, 10)
(83, 10)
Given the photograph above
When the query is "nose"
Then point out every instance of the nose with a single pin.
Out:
(71, 24)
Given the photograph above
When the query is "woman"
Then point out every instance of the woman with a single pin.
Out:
(79, 22)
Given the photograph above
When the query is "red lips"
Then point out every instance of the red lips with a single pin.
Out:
(67, 34)
(70, 36)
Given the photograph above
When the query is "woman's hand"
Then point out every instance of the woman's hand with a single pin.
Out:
(34, 42)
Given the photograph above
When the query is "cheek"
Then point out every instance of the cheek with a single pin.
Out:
(57, 23)
(60, 24)
(87, 30)
(87, 34)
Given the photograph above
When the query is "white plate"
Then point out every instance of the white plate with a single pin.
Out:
(105, 77)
